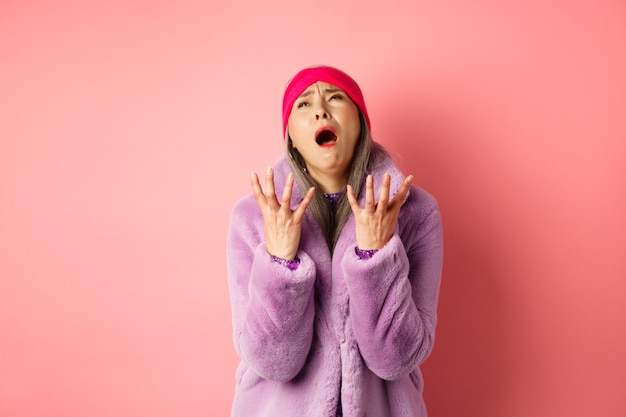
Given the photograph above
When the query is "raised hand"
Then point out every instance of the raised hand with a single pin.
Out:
(282, 225)
(376, 222)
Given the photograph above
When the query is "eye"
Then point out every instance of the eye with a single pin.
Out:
(302, 104)
(336, 97)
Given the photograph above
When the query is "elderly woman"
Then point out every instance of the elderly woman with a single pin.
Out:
(334, 268)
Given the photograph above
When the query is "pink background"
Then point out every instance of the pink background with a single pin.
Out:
(128, 130)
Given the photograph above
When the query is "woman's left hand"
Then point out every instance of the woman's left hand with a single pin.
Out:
(376, 222)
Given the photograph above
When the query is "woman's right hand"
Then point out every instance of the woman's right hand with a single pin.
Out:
(282, 224)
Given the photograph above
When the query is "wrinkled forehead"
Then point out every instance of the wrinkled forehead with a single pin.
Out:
(309, 76)
(320, 87)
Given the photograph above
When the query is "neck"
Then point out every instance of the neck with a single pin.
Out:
(330, 183)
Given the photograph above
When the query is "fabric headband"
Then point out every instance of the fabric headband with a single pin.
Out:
(302, 80)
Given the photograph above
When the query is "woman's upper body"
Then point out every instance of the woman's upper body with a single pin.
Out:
(317, 325)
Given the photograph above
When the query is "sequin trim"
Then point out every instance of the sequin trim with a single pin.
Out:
(364, 253)
(291, 264)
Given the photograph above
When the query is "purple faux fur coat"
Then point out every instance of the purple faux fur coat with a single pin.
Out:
(335, 327)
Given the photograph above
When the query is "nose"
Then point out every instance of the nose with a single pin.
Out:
(321, 113)
(320, 110)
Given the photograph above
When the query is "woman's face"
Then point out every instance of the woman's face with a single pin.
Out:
(324, 127)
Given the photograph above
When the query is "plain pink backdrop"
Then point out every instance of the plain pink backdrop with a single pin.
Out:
(128, 130)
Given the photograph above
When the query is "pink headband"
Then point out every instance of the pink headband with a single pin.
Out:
(302, 80)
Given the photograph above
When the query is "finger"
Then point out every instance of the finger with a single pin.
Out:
(257, 190)
(383, 198)
(286, 197)
(352, 200)
(299, 211)
(270, 193)
(403, 191)
(370, 204)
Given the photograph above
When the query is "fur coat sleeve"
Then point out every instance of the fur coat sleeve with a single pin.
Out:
(273, 333)
(393, 295)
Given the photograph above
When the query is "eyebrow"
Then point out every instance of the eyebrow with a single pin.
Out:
(326, 90)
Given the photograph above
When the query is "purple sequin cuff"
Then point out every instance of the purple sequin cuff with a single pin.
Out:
(364, 253)
(291, 264)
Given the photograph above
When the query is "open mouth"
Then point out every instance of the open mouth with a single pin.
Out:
(325, 137)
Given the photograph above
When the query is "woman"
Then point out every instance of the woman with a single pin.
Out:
(334, 268)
